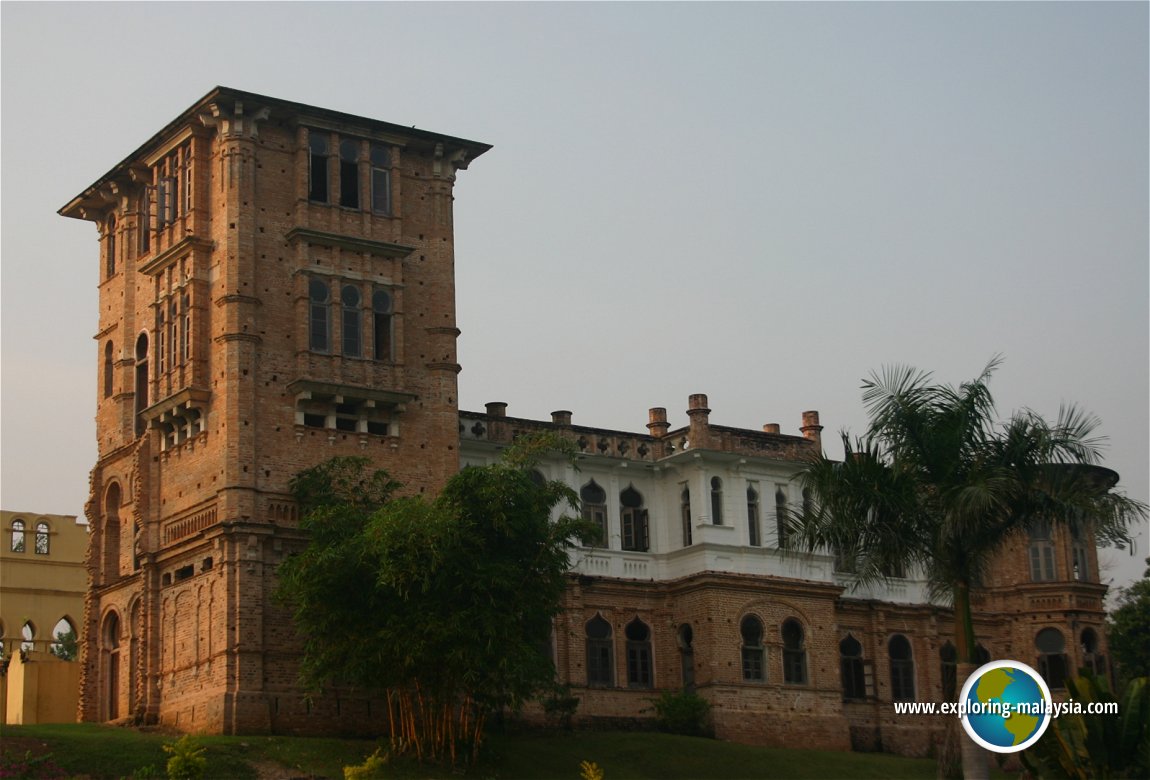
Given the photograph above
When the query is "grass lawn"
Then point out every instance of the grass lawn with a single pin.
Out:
(99, 752)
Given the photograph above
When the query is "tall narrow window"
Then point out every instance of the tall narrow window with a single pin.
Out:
(42, 534)
(594, 501)
(349, 300)
(685, 515)
(1091, 658)
(1041, 552)
(381, 179)
(28, 634)
(110, 248)
(141, 380)
(349, 174)
(948, 660)
(381, 324)
(687, 657)
(716, 501)
(634, 520)
(1079, 552)
(901, 668)
(851, 668)
(781, 516)
(317, 181)
(110, 541)
(1051, 646)
(109, 370)
(186, 329)
(161, 340)
(600, 653)
(173, 333)
(319, 319)
(751, 628)
(794, 653)
(638, 654)
(17, 545)
(145, 219)
(753, 529)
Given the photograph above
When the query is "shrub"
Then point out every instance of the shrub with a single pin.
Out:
(187, 761)
(560, 706)
(371, 769)
(682, 713)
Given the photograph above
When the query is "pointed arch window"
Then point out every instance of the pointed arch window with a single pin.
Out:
(18, 543)
(687, 656)
(716, 501)
(594, 503)
(685, 515)
(753, 652)
(633, 516)
(852, 669)
(600, 653)
(141, 380)
(754, 530)
(1051, 646)
(28, 636)
(42, 538)
(639, 674)
(63, 640)
(794, 653)
(901, 668)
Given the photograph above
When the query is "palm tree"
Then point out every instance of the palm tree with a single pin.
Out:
(938, 483)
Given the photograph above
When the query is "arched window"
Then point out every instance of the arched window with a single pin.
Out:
(381, 179)
(28, 635)
(1051, 646)
(349, 173)
(754, 531)
(851, 668)
(781, 516)
(600, 653)
(349, 299)
(17, 545)
(594, 501)
(754, 668)
(141, 380)
(948, 659)
(901, 668)
(716, 501)
(638, 654)
(794, 653)
(317, 187)
(381, 324)
(1042, 552)
(687, 656)
(110, 248)
(634, 520)
(42, 538)
(981, 655)
(1091, 658)
(111, 536)
(109, 370)
(64, 640)
(110, 657)
(685, 515)
(319, 316)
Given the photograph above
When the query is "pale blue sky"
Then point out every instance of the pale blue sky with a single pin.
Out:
(761, 202)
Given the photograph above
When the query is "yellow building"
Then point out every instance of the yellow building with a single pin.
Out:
(42, 578)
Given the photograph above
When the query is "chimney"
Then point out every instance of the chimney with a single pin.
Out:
(658, 421)
(771, 428)
(698, 413)
(496, 409)
(561, 417)
(811, 428)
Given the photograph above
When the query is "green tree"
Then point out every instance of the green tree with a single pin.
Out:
(442, 607)
(65, 647)
(1129, 630)
(937, 482)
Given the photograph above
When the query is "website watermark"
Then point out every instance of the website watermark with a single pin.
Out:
(1004, 709)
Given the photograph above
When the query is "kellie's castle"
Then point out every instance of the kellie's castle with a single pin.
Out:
(276, 288)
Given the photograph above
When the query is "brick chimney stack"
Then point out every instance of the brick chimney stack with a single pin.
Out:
(697, 411)
(771, 428)
(496, 409)
(811, 428)
(561, 417)
(658, 421)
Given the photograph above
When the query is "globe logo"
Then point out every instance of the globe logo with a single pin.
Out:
(1006, 706)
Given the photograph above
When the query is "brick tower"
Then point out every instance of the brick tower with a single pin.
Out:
(276, 288)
